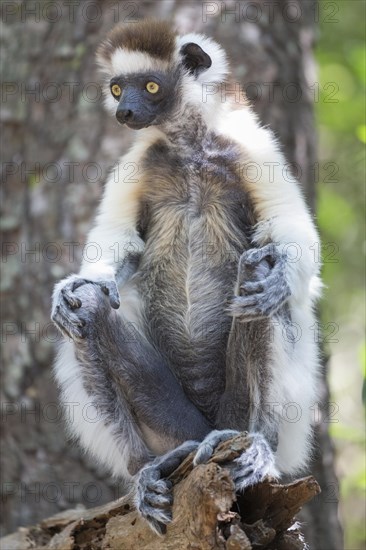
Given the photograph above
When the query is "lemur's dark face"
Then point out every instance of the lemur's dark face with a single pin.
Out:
(144, 99)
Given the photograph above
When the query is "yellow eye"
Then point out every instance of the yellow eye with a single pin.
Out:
(116, 90)
(152, 87)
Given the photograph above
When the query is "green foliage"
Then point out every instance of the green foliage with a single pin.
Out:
(341, 116)
(340, 214)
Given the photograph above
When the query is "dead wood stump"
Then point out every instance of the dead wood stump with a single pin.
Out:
(207, 515)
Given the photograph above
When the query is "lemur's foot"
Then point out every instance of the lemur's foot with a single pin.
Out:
(154, 498)
(207, 447)
(251, 467)
(254, 465)
(154, 494)
(66, 306)
(263, 287)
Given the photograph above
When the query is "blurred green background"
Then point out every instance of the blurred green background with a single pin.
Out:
(340, 111)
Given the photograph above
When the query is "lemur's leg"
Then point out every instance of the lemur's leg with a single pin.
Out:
(245, 405)
(246, 402)
(126, 373)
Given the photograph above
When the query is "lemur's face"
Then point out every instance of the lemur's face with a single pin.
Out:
(151, 73)
(144, 99)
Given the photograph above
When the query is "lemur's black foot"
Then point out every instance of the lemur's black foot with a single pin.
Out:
(207, 447)
(251, 467)
(154, 498)
(154, 494)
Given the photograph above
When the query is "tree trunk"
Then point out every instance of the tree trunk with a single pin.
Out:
(58, 145)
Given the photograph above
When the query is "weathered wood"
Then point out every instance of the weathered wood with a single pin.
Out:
(207, 515)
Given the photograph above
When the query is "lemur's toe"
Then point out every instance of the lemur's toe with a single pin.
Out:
(207, 447)
(154, 499)
(157, 526)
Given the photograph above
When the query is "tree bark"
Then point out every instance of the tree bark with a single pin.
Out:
(207, 515)
(58, 145)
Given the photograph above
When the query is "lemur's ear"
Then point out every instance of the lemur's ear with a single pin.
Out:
(194, 58)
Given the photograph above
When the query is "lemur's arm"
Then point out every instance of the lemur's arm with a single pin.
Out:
(283, 216)
(114, 233)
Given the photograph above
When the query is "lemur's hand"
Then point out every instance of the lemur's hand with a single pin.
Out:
(263, 287)
(66, 304)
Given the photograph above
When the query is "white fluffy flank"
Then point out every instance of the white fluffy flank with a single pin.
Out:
(219, 69)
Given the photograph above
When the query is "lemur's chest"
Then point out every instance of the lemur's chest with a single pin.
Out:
(197, 221)
(197, 195)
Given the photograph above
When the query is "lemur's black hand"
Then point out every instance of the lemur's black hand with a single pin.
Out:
(263, 286)
(66, 304)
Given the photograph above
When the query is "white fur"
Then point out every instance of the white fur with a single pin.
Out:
(294, 391)
(115, 232)
(205, 90)
(219, 67)
(127, 61)
(81, 412)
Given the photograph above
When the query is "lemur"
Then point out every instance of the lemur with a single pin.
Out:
(177, 333)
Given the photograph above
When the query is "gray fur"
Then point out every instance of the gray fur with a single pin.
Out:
(260, 298)
(154, 497)
(134, 384)
(197, 229)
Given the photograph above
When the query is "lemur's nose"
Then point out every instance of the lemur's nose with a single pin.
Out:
(124, 115)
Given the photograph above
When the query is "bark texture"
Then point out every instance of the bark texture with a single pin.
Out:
(58, 145)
